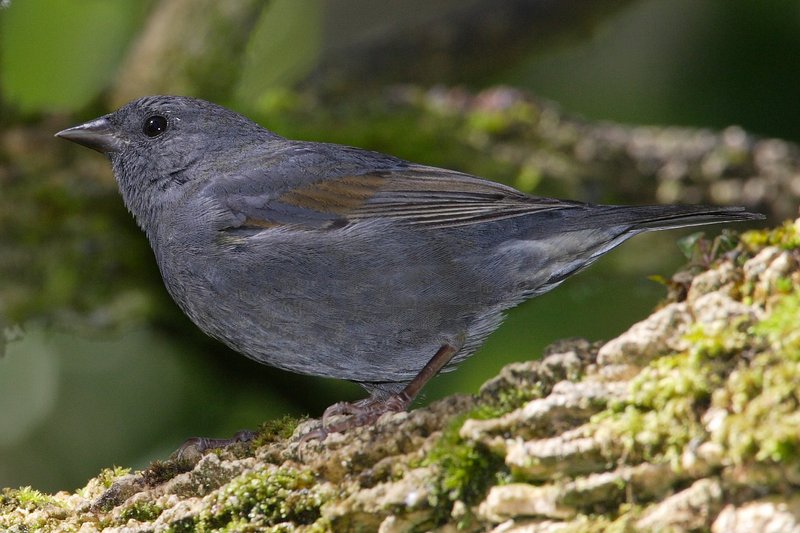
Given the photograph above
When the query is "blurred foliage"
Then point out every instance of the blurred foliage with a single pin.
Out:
(61, 229)
(58, 55)
(276, 57)
(708, 63)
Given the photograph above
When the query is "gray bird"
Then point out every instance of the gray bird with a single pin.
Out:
(334, 261)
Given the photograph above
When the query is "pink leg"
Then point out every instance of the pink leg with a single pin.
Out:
(368, 410)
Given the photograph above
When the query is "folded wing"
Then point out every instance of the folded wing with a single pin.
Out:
(411, 194)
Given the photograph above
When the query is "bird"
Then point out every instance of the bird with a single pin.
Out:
(340, 262)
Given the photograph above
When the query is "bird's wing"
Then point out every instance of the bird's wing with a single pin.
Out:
(408, 193)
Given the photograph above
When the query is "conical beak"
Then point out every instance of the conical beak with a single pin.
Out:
(97, 134)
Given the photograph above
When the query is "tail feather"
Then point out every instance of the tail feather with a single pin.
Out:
(663, 217)
(612, 225)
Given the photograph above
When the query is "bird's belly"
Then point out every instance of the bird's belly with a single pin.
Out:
(334, 307)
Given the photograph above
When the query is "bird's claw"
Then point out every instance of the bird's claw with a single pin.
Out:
(361, 413)
(196, 446)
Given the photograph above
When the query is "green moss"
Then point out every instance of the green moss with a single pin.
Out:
(266, 498)
(663, 411)
(763, 411)
(277, 499)
(159, 472)
(24, 498)
(505, 401)
(762, 396)
(782, 327)
(786, 236)
(749, 376)
(466, 469)
(661, 415)
(277, 430)
(184, 525)
(22, 502)
(108, 476)
(141, 511)
(716, 349)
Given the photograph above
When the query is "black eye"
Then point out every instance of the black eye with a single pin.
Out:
(155, 125)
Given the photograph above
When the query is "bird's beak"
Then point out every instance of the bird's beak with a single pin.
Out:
(97, 134)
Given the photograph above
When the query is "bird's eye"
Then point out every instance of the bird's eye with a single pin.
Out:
(155, 125)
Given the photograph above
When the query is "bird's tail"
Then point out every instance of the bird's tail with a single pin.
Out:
(661, 217)
(609, 226)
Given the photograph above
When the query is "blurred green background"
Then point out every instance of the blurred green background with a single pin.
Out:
(100, 367)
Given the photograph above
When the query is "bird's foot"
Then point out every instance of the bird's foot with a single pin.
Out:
(360, 413)
(368, 410)
(195, 447)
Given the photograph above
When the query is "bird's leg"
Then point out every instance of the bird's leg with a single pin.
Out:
(431, 368)
(368, 410)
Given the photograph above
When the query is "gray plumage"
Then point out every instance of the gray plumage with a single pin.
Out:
(334, 261)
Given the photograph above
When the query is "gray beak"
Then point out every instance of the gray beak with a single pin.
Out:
(97, 134)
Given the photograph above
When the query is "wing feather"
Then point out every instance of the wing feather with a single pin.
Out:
(410, 194)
